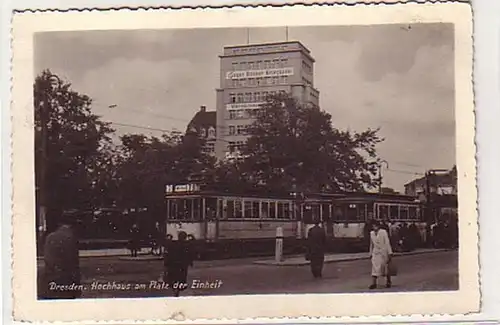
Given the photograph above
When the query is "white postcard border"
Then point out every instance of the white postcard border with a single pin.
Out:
(26, 307)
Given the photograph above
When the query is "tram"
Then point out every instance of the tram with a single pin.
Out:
(235, 224)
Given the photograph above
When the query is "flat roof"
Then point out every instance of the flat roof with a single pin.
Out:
(300, 47)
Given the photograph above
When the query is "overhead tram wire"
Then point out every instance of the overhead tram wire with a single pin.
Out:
(152, 129)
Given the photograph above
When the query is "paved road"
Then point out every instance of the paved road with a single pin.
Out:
(425, 272)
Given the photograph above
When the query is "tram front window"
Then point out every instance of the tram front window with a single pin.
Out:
(311, 213)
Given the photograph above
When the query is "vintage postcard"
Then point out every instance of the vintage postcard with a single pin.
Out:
(243, 163)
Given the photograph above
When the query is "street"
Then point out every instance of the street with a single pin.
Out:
(423, 272)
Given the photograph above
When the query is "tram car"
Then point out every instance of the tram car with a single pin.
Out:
(235, 224)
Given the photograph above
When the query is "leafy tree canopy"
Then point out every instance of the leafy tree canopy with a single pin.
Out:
(296, 146)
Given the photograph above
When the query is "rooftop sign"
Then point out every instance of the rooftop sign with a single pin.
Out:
(259, 73)
(185, 188)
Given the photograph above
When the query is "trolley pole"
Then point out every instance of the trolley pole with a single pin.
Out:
(279, 245)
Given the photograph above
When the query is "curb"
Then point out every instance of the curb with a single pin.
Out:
(345, 259)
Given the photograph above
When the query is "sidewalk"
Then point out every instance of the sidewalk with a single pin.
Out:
(330, 258)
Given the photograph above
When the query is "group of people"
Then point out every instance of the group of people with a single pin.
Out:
(380, 252)
(61, 278)
(154, 238)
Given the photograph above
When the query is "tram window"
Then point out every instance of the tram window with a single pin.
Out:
(272, 210)
(220, 209)
(264, 210)
(361, 211)
(394, 212)
(210, 208)
(238, 209)
(281, 211)
(248, 209)
(230, 209)
(383, 212)
(196, 204)
(338, 213)
(403, 213)
(325, 212)
(255, 209)
(287, 211)
(352, 212)
(412, 213)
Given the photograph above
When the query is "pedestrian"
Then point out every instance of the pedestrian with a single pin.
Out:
(316, 247)
(178, 257)
(61, 261)
(381, 254)
(135, 239)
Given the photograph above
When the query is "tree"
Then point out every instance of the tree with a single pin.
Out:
(293, 145)
(73, 151)
(147, 164)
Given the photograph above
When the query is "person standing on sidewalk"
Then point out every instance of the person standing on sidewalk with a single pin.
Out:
(135, 239)
(178, 257)
(62, 264)
(316, 246)
(381, 254)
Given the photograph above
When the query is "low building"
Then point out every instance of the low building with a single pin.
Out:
(204, 123)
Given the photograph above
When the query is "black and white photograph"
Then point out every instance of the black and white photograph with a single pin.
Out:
(246, 160)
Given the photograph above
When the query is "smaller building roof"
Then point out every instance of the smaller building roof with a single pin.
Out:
(203, 119)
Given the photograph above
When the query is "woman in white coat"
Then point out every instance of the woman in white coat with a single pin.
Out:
(381, 254)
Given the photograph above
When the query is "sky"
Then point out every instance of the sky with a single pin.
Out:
(399, 78)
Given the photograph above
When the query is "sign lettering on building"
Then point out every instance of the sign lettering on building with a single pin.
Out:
(236, 106)
(233, 75)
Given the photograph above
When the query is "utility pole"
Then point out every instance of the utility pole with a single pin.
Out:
(380, 174)
(46, 107)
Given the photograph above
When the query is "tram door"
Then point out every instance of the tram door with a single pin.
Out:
(211, 209)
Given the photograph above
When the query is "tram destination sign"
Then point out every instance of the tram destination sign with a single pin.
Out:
(184, 188)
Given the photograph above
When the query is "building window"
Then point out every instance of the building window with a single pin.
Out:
(251, 65)
(232, 146)
(232, 98)
(265, 95)
(232, 130)
(276, 63)
(267, 64)
(275, 80)
(239, 98)
(251, 82)
(240, 130)
(258, 65)
(235, 66)
(259, 81)
(248, 97)
(243, 66)
(283, 80)
(284, 62)
(211, 132)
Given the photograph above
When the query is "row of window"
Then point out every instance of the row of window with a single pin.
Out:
(249, 82)
(238, 114)
(209, 147)
(236, 146)
(252, 97)
(306, 67)
(192, 209)
(261, 64)
(242, 129)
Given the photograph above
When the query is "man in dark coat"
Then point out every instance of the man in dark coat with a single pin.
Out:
(177, 259)
(62, 265)
(316, 246)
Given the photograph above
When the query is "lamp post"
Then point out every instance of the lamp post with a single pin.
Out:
(380, 173)
(47, 105)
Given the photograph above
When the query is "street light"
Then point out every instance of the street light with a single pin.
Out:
(380, 173)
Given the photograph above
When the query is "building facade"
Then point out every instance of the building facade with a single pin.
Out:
(204, 123)
(250, 73)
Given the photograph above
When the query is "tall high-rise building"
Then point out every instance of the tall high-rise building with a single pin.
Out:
(248, 74)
